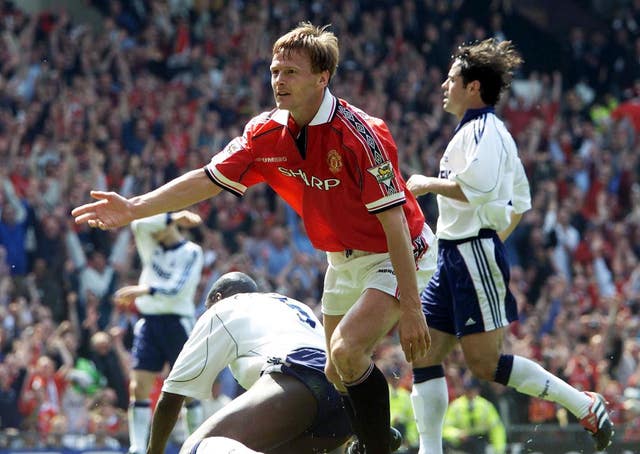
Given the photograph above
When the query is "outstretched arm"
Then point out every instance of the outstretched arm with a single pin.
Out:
(164, 419)
(112, 210)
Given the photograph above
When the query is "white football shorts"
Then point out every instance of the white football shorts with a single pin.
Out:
(350, 273)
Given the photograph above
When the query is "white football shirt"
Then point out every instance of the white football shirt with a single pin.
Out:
(242, 332)
(482, 158)
(173, 273)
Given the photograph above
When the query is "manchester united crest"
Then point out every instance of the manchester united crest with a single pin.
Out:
(335, 161)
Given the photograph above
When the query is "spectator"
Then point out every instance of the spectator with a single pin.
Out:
(111, 359)
(97, 277)
(13, 230)
(472, 423)
(10, 388)
(42, 398)
(62, 131)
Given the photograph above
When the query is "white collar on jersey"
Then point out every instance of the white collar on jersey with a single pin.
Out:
(323, 115)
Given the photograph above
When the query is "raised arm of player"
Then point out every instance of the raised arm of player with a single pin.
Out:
(412, 326)
(112, 210)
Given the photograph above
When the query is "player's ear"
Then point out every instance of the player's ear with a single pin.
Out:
(474, 86)
(324, 78)
(213, 299)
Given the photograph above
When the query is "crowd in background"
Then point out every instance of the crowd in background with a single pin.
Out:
(164, 85)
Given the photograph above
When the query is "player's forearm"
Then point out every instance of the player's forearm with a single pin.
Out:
(182, 192)
(164, 419)
(420, 185)
(515, 220)
(401, 254)
(447, 188)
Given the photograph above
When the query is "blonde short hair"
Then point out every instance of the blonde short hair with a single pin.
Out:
(320, 44)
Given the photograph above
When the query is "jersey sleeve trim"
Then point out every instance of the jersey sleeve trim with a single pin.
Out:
(216, 177)
(386, 203)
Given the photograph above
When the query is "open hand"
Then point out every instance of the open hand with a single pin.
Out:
(414, 335)
(109, 212)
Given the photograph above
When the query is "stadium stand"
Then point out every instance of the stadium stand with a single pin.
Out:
(155, 87)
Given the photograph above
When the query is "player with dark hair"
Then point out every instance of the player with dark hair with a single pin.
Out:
(275, 348)
(482, 192)
(164, 297)
(338, 169)
(229, 284)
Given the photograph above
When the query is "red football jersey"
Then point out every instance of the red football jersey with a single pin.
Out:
(342, 171)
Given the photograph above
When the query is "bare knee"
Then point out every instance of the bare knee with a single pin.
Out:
(350, 361)
(134, 390)
(482, 352)
(342, 353)
(140, 387)
(484, 369)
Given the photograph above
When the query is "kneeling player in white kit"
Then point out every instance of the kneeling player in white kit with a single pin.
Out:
(275, 348)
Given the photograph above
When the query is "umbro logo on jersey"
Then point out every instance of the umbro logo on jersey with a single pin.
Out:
(470, 322)
(269, 159)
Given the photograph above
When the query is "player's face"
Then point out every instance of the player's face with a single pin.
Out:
(455, 94)
(296, 87)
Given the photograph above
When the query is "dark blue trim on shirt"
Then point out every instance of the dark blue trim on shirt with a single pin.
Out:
(183, 278)
(173, 246)
(470, 114)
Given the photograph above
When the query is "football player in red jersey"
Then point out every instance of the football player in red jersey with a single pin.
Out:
(338, 169)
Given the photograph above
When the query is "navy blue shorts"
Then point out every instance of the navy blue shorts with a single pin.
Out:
(469, 292)
(158, 340)
(307, 365)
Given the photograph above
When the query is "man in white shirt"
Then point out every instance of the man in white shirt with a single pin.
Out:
(164, 298)
(482, 192)
(275, 348)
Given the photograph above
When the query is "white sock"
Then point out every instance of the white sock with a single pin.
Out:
(533, 380)
(429, 400)
(139, 426)
(195, 416)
